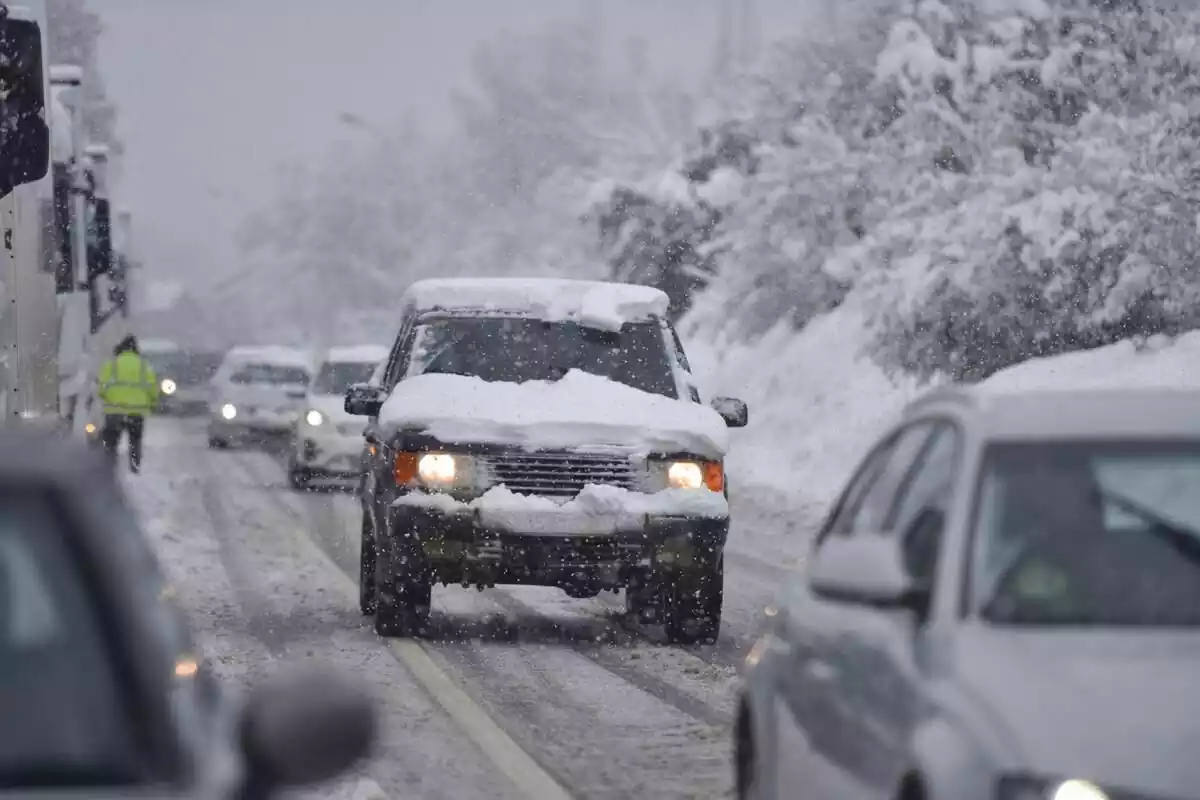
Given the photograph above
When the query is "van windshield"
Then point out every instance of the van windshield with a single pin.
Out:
(516, 350)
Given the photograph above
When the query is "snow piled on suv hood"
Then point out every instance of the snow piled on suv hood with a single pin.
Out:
(578, 411)
(594, 304)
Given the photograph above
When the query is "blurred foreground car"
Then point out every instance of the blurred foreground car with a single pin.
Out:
(257, 395)
(545, 433)
(327, 442)
(101, 692)
(1004, 604)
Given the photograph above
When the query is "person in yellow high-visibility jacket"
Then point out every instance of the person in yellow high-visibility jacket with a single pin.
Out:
(128, 388)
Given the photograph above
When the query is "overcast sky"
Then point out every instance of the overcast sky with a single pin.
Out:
(214, 94)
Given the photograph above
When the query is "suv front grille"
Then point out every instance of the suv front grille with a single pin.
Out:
(561, 474)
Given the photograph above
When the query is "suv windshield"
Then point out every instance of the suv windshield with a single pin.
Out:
(516, 350)
(270, 373)
(63, 722)
(1097, 533)
(337, 377)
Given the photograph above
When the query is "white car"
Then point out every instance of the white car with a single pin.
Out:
(326, 441)
(257, 395)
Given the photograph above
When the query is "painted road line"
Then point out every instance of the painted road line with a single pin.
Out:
(518, 766)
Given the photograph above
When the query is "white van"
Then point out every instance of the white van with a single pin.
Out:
(257, 394)
(326, 441)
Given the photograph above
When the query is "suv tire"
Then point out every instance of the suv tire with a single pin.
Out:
(366, 569)
(215, 443)
(694, 596)
(403, 592)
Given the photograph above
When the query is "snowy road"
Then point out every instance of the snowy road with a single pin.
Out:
(594, 704)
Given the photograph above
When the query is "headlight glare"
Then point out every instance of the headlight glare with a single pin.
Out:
(168, 386)
(1031, 788)
(438, 469)
(685, 475)
(228, 411)
(314, 418)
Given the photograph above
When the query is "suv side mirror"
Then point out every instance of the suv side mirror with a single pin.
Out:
(24, 134)
(733, 411)
(304, 729)
(364, 400)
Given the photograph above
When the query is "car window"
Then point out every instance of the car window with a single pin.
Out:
(335, 377)
(859, 485)
(1100, 534)
(919, 511)
(871, 511)
(518, 349)
(62, 714)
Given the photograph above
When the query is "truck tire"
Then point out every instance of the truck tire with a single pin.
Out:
(366, 569)
(403, 592)
(693, 599)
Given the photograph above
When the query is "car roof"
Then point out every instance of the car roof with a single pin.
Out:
(1005, 414)
(603, 303)
(270, 354)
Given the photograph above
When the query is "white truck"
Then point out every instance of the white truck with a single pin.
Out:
(49, 342)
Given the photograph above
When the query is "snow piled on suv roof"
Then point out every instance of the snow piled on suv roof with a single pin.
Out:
(577, 412)
(596, 304)
(270, 354)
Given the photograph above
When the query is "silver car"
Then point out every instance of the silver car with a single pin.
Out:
(1004, 604)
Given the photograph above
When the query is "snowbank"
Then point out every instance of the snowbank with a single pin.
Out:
(816, 406)
(596, 304)
(580, 409)
(597, 510)
(1159, 364)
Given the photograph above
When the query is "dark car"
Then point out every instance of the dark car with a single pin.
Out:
(102, 692)
(545, 433)
(184, 377)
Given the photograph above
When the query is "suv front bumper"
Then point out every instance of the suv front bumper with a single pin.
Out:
(461, 547)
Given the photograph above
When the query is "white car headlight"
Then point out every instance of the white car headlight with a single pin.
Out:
(168, 386)
(228, 411)
(314, 418)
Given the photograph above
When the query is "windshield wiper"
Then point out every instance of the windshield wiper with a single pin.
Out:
(1185, 540)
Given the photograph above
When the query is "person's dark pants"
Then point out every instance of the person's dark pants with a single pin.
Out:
(114, 425)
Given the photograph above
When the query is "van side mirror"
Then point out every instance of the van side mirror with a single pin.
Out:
(364, 400)
(733, 411)
(24, 133)
(302, 729)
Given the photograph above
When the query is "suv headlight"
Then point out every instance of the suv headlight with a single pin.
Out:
(168, 386)
(314, 418)
(684, 473)
(439, 471)
(1022, 787)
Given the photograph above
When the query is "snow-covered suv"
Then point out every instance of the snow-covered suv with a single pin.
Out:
(542, 432)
